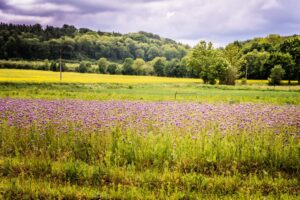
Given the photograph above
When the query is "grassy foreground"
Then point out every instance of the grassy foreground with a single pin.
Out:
(126, 165)
(42, 161)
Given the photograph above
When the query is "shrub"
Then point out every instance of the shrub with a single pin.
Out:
(83, 67)
(103, 65)
(46, 65)
(112, 68)
(244, 81)
(53, 66)
(276, 75)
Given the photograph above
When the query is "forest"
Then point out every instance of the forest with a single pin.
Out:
(273, 57)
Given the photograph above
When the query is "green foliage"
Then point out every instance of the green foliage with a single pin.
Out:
(285, 60)
(63, 66)
(37, 65)
(175, 68)
(244, 81)
(292, 47)
(152, 53)
(118, 165)
(276, 75)
(262, 54)
(252, 59)
(201, 59)
(84, 67)
(211, 64)
(53, 66)
(226, 73)
(128, 66)
(112, 68)
(46, 65)
(103, 65)
(138, 67)
(34, 42)
(159, 64)
(254, 64)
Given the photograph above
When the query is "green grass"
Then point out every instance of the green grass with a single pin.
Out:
(46, 85)
(151, 92)
(126, 165)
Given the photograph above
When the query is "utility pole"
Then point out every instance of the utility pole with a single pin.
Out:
(60, 67)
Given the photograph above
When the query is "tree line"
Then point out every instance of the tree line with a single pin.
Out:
(273, 57)
(35, 42)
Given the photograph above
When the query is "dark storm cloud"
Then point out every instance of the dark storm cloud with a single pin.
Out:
(220, 21)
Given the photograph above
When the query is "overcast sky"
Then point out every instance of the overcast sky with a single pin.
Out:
(187, 21)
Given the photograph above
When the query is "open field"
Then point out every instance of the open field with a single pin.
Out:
(44, 85)
(125, 149)
(16, 75)
(36, 76)
(129, 138)
(149, 92)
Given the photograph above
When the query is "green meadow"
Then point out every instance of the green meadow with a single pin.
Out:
(153, 92)
(163, 163)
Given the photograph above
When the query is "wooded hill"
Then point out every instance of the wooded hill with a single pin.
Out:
(145, 53)
(35, 42)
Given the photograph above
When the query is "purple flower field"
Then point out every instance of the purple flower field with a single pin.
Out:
(144, 117)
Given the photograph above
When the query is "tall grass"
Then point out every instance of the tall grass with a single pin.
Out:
(118, 164)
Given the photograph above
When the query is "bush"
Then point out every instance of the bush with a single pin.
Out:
(53, 66)
(244, 81)
(276, 75)
(83, 67)
(128, 66)
(112, 68)
(229, 77)
(46, 65)
(103, 65)
(119, 69)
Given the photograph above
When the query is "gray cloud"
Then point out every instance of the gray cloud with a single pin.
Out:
(220, 21)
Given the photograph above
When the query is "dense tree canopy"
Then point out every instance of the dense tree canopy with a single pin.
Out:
(261, 55)
(34, 42)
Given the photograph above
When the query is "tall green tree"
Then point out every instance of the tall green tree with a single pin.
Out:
(254, 65)
(201, 59)
(292, 47)
(283, 59)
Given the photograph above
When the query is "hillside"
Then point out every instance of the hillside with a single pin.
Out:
(35, 42)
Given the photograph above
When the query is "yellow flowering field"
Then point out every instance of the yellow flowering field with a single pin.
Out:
(16, 75)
